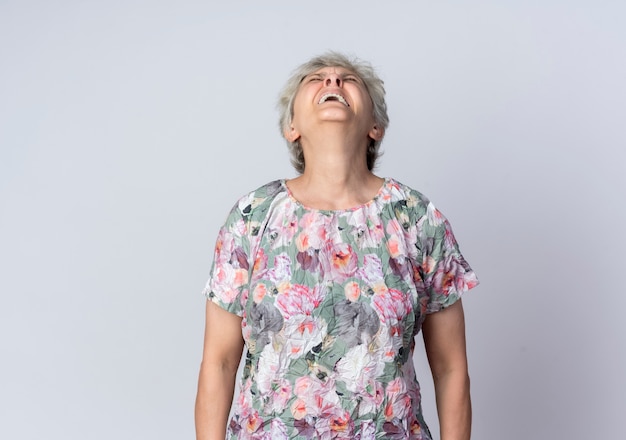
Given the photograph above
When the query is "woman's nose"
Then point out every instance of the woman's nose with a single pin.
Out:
(333, 80)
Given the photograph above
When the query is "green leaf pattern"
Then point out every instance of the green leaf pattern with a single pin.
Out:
(331, 302)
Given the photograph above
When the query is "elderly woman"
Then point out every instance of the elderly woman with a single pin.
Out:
(327, 278)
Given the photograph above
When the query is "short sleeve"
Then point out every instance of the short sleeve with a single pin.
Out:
(445, 272)
(229, 277)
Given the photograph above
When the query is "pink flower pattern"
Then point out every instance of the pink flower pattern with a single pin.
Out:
(330, 303)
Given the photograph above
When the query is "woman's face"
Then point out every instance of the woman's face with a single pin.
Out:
(332, 95)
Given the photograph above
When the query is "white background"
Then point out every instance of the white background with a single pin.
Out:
(129, 128)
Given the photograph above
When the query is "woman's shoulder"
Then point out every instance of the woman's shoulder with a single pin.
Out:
(401, 194)
(411, 204)
(268, 190)
(256, 202)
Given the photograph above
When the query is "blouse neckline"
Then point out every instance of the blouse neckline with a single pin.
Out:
(381, 192)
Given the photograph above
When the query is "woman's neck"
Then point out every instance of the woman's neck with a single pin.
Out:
(335, 174)
(337, 181)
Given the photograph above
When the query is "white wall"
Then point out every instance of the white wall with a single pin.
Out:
(128, 129)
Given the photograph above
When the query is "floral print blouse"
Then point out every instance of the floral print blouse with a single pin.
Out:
(331, 302)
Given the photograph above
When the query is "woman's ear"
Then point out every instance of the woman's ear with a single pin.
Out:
(376, 133)
(291, 134)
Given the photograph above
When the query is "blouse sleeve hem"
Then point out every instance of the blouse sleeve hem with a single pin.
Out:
(453, 297)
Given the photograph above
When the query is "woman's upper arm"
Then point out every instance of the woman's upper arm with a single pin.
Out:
(223, 341)
(444, 339)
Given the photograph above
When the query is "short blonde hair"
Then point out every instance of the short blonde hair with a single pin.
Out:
(373, 84)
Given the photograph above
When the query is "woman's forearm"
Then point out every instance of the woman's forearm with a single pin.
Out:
(452, 390)
(213, 401)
